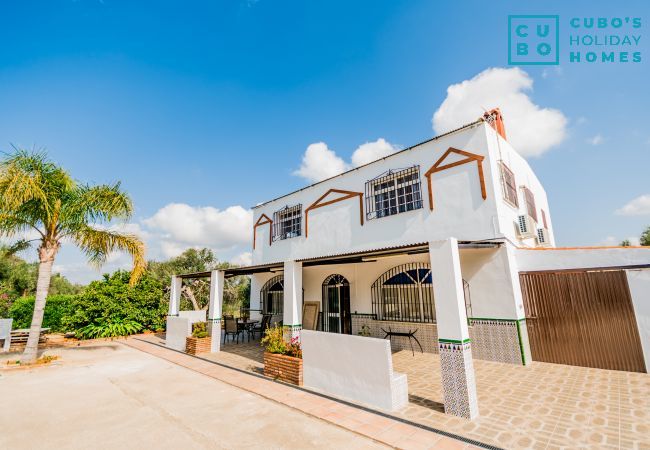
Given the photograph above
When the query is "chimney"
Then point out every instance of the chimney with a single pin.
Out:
(495, 119)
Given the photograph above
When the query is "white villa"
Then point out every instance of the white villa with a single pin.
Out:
(450, 241)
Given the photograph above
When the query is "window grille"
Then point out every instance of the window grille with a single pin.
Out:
(530, 203)
(272, 296)
(394, 192)
(287, 222)
(509, 185)
(405, 294)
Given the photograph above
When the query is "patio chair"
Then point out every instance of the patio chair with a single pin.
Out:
(231, 328)
(261, 328)
(5, 334)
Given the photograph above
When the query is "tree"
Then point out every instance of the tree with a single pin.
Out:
(645, 237)
(40, 197)
(625, 243)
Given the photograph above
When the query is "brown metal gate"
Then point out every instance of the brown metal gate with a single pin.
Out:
(582, 318)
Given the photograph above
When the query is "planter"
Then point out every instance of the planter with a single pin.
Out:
(194, 346)
(283, 367)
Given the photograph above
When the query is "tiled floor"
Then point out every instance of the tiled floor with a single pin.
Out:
(542, 406)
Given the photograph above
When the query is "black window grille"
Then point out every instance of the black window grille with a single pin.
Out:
(272, 296)
(393, 192)
(336, 305)
(287, 222)
(405, 294)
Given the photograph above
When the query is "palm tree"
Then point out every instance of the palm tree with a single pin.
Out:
(40, 198)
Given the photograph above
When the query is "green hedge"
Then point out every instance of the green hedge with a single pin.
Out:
(56, 308)
(110, 303)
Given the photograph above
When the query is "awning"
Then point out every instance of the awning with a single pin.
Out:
(346, 258)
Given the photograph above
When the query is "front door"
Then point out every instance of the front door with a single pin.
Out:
(336, 305)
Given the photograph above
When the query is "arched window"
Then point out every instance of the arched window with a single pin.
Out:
(272, 296)
(405, 294)
(336, 305)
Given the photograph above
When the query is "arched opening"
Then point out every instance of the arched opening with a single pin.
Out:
(272, 296)
(336, 305)
(405, 294)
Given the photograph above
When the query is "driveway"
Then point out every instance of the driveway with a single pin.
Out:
(112, 396)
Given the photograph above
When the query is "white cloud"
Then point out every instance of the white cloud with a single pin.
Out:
(319, 163)
(243, 259)
(639, 206)
(372, 151)
(531, 129)
(202, 226)
(596, 140)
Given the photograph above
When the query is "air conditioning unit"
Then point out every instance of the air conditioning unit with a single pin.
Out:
(526, 226)
(543, 239)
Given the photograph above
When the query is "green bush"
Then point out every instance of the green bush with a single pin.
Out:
(200, 329)
(112, 305)
(56, 308)
(116, 327)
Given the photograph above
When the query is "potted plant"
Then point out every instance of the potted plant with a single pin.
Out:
(200, 341)
(282, 359)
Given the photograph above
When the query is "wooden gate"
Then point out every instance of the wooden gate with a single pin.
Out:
(582, 318)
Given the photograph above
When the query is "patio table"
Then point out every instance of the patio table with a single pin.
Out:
(246, 326)
(408, 334)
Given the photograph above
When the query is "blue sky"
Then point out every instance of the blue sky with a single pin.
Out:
(213, 104)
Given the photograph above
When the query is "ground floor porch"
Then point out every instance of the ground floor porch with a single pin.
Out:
(541, 405)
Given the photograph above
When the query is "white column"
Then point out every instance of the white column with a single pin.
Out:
(292, 315)
(457, 368)
(175, 295)
(254, 299)
(217, 280)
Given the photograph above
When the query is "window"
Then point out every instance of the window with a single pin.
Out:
(287, 222)
(509, 185)
(544, 219)
(405, 294)
(530, 203)
(394, 192)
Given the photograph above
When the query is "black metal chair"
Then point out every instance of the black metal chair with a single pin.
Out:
(231, 328)
(261, 328)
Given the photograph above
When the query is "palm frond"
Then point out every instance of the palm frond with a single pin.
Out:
(29, 177)
(95, 204)
(18, 246)
(97, 244)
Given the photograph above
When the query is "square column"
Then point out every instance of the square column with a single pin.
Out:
(217, 281)
(292, 315)
(457, 368)
(175, 295)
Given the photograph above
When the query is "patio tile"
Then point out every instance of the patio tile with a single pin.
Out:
(520, 407)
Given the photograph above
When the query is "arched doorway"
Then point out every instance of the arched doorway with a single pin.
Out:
(405, 294)
(272, 296)
(336, 305)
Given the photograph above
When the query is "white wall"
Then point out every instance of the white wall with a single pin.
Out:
(501, 150)
(639, 282)
(493, 294)
(494, 283)
(459, 210)
(580, 258)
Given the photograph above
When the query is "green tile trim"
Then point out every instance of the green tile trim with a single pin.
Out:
(454, 341)
(521, 344)
(298, 325)
(495, 320)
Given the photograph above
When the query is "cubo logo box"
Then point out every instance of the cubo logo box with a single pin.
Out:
(533, 40)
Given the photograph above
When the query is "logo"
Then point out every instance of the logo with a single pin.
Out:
(533, 40)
